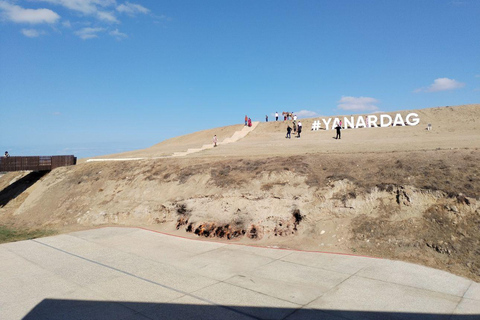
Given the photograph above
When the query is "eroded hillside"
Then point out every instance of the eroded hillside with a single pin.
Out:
(418, 206)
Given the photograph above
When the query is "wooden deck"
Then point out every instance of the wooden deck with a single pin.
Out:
(36, 163)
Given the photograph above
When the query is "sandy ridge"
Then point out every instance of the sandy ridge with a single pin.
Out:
(237, 135)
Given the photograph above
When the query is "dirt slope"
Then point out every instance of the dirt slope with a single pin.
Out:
(398, 192)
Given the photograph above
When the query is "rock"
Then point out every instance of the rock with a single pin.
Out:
(462, 199)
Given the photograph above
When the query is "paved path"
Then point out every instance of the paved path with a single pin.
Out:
(237, 135)
(130, 273)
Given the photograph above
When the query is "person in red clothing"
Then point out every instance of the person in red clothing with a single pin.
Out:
(246, 120)
(249, 122)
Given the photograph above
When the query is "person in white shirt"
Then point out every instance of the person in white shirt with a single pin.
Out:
(299, 129)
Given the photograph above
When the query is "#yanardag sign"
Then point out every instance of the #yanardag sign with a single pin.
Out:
(380, 120)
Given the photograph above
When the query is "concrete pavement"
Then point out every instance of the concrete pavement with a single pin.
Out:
(130, 273)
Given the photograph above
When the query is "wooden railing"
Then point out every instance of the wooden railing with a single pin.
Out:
(36, 163)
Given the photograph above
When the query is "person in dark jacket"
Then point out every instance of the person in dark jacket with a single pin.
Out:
(289, 130)
(338, 128)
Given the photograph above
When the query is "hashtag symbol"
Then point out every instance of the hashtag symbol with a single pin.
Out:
(316, 125)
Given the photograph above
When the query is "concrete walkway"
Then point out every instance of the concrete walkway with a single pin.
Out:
(237, 135)
(130, 273)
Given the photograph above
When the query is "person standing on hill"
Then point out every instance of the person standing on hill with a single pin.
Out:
(289, 130)
(338, 128)
(7, 155)
(246, 119)
(299, 128)
(249, 122)
(276, 116)
(215, 140)
(266, 118)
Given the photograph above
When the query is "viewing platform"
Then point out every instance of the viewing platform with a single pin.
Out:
(36, 163)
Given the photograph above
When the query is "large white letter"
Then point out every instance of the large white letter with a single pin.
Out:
(335, 123)
(349, 123)
(360, 122)
(372, 120)
(412, 122)
(326, 122)
(382, 122)
(398, 120)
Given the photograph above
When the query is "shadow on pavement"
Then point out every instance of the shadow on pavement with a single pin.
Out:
(79, 309)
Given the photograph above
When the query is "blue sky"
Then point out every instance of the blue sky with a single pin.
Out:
(92, 77)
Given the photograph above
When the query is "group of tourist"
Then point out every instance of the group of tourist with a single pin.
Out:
(248, 121)
(286, 116)
(297, 127)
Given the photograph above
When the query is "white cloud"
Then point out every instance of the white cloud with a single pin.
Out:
(442, 84)
(32, 33)
(358, 104)
(118, 35)
(132, 8)
(306, 114)
(99, 15)
(83, 6)
(106, 16)
(89, 7)
(89, 33)
(477, 76)
(18, 14)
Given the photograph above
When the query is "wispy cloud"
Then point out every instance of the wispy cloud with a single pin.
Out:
(32, 33)
(132, 9)
(442, 84)
(477, 76)
(18, 14)
(118, 35)
(458, 3)
(358, 104)
(96, 8)
(89, 33)
(99, 15)
(306, 114)
(107, 16)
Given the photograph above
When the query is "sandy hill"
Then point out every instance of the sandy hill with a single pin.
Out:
(453, 127)
(397, 192)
